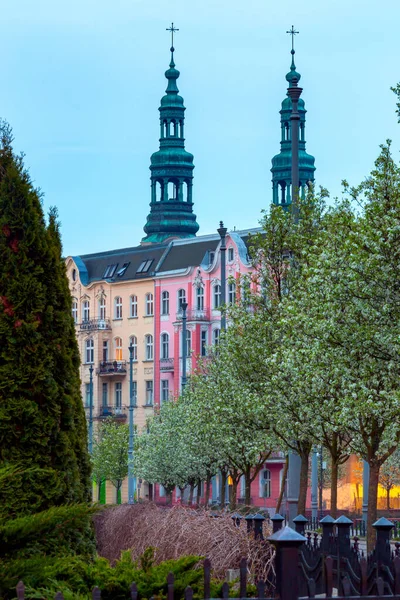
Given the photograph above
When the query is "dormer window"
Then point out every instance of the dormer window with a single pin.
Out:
(211, 256)
(231, 254)
(144, 266)
(110, 270)
(122, 270)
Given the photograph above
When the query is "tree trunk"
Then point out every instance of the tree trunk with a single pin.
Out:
(247, 486)
(283, 485)
(303, 482)
(182, 491)
(191, 494)
(207, 494)
(168, 495)
(388, 499)
(334, 483)
(198, 492)
(223, 487)
(372, 503)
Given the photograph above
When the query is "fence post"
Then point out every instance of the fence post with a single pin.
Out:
(383, 527)
(207, 578)
(237, 518)
(343, 525)
(300, 523)
(287, 542)
(258, 521)
(20, 590)
(327, 533)
(277, 521)
(249, 522)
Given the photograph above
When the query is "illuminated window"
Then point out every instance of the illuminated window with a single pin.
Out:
(118, 348)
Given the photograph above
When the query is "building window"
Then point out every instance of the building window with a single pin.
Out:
(118, 308)
(181, 298)
(265, 486)
(165, 303)
(86, 310)
(133, 343)
(144, 266)
(188, 342)
(102, 308)
(164, 345)
(73, 274)
(211, 256)
(118, 348)
(217, 295)
(105, 350)
(231, 254)
(164, 390)
(200, 298)
(110, 270)
(149, 306)
(216, 337)
(148, 344)
(89, 355)
(122, 270)
(231, 293)
(75, 310)
(203, 343)
(134, 392)
(134, 307)
(149, 393)
(104, 395)
(118, 395)
(87, 395)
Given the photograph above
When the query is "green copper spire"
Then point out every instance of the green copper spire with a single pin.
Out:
(171, 208)
(282, 162)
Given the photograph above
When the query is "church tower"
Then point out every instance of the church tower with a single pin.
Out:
(171, 207)
(282, 162)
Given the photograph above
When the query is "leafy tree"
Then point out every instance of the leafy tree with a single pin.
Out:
(110, 453)
(389, 475)
(42, 421)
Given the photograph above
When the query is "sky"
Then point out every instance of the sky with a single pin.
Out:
(82, 82)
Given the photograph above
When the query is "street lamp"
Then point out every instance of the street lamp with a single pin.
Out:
(90, 442)
(222, 233)
(184, 306)
(131, 478)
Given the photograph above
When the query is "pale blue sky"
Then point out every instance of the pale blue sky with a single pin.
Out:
(82, 81)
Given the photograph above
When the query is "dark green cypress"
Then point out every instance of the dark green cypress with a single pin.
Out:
(42, 422)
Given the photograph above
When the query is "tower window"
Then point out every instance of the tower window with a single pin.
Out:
(172, 190)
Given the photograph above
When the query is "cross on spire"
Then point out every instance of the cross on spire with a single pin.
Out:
(172, 29)
(292, 32)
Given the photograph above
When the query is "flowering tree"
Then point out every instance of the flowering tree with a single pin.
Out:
(110, 454)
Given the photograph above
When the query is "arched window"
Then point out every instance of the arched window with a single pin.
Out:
(164, 345)
(86, 310)
(118, 308)
(89, 351)
(149, 305)
(159, 194)
(118, 348)
(133, 344)
(265, 483)
(102, 308)
(231, 293)
(133, 300)
(173, 128)
(165, 129)
(200, 298)
(165, 303)
(217, 295)
(188, 342)
(216, 337)
(148, 346)
(181, 298)
(172, 190)
(75, 310)
(186, 197)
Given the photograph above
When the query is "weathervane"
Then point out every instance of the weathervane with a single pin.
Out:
(172, 29)
(292, 32)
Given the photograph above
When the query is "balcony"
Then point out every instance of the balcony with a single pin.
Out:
(112, 368)
(114, 412)
(195, 314)
(96, 324)
(166, 364)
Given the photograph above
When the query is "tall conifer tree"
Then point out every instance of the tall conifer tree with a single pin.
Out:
(42, 420)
